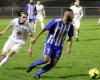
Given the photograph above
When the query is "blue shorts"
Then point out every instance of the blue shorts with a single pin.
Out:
(52, 50)
(32, 20)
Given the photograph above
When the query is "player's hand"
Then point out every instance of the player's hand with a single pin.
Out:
(1, 33)
(30, 51)
(33, 40)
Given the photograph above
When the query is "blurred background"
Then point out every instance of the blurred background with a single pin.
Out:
(53, 8)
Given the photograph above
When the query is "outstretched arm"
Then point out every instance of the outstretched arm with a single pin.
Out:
(33, 40)
(37, 36)
(30, 46)
(7, 28)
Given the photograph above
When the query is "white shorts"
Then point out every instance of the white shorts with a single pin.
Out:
(77, 24)
(13, 44)
(39, 18)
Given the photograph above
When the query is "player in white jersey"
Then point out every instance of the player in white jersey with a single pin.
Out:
(78, 14)
(21, 30)
(40, 14)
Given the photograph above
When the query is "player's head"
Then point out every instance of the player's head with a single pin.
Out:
(31, 1)
(68, 15)
(22, 16)
(77, 2)
(38, 2)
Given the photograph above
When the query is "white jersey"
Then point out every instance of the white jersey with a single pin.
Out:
(78, 12)
(39, 9)
(20, 31)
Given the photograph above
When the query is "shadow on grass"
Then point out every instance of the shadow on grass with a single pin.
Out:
(65, 77)
(96, 28)
(39, 67)
(95, 39)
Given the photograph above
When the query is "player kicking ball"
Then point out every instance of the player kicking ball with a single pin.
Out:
(58, 29)
(21, 30)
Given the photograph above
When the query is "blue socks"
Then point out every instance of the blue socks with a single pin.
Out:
(45, 69)
(39, 62)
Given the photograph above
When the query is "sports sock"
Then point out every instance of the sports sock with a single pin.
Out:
(39, 62)
(45, 69)
(4, 60)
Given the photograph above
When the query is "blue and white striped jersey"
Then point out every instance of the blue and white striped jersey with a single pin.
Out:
(58, 31)
(31, 10)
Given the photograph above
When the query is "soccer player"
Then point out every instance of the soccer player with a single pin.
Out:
(40, 14)
(31, 10)
(21, 30)
(58, 29)
(78, 14)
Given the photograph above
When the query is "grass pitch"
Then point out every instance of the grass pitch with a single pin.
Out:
(85, 55)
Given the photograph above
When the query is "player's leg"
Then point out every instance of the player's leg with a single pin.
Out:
(46, 67)
(15, 48)
(6, 48)
(41, 21)
(45, 59)
(99, 21)
(77, 27)
(54, 59)
(35, 24)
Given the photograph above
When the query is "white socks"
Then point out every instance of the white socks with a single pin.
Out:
(4, 60)
(42, 25)
(77, 34)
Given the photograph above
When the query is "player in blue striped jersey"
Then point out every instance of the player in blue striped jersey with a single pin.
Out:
(30, 8)
(58, 29)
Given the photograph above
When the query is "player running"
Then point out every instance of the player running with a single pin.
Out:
(78, 14)
(21, 30)
(40, 14)
(58, 29)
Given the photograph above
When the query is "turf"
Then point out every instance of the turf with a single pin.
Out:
(85, 55)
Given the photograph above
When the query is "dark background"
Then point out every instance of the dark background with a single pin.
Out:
(50, 3)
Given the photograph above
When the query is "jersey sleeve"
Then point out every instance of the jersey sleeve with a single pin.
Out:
(50, 25)
(26, 8)
(12, 22)
(71, 30)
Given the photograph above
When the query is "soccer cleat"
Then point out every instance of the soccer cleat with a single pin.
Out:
(37, 77)
(77, 39)
(29, 69)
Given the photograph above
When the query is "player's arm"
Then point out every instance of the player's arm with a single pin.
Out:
(31, 38)
(30, 45)
(43, 10)
(81, 13)
(69, 43)
(26, 8)
(37, 36)
(48, 27)
(7, 28)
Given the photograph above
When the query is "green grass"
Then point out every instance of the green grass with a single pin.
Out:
(85, 55)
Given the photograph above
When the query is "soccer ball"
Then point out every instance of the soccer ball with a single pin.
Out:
(94, 73)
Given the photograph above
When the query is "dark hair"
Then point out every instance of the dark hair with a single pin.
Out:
(69, 19)
(19, 13)
(69, 10)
